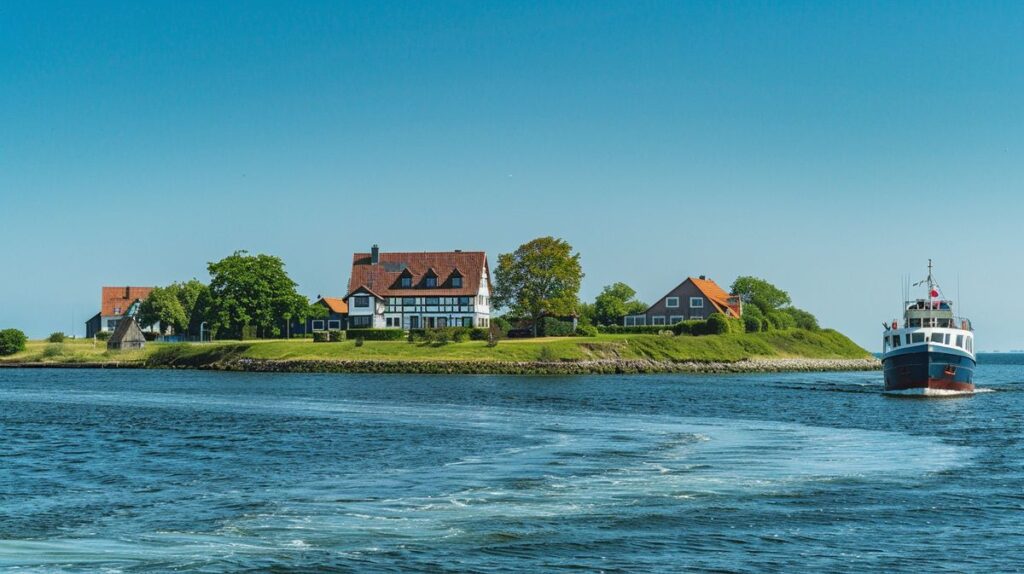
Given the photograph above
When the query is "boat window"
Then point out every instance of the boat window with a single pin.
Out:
(917, 338)
(960, 341)
(895, 341)
(937, 337)
(947, 338)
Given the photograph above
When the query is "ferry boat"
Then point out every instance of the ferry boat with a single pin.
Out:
(932, 352)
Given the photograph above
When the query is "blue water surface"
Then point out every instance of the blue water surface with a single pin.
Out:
(154, 471)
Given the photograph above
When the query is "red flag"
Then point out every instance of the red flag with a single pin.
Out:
(934, 293)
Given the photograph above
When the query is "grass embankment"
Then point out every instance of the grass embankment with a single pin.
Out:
(728, 348)
(712, 348)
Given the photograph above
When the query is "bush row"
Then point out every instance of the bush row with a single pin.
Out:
(716, 324)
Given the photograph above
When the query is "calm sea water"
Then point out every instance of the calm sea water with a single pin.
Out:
(136, 471)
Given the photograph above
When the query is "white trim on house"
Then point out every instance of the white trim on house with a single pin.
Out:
(334, 325)
(672, 302)
(657, 320)
(696, 302)
(318, 325)
(675, 319)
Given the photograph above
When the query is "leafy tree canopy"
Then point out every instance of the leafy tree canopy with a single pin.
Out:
(615, 302)
(179, 305)
(540, 278)
(252, 290)
(759, 292)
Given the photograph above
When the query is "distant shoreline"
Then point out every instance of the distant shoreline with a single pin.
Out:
(470, 367)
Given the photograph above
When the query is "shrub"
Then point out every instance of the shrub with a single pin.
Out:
(802, 319)
(359, 341)
(335, 336)
(479, 334)
(492, 341)
(150, 335)
(103, 335)
(321, 336)
(53, 350)
(586, 331)
(501, 324)
(751, 324)
(376, 334)
(12, 341)
(248, 332)
(632, 330)
(695, 327)
(716, 325)
(57, 337)
(552, 327)
(781, 320)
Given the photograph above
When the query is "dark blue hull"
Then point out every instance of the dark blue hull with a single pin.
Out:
(927, 368)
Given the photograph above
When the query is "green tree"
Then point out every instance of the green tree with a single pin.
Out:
(179, 306)
(615, 302)
(540, 278)
(759, 292)
(12, 341)
(251, 290)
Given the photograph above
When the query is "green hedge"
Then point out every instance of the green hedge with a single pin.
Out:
(321, 337)
(586, 331)
(376, 334)
(552, 327)
(57, 337)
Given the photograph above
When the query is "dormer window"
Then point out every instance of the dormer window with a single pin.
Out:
(430, 280)
(405, 282)
(456, 282)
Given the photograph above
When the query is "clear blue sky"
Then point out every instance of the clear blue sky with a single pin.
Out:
(828, 147)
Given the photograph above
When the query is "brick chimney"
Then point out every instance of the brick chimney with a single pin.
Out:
(374, 254)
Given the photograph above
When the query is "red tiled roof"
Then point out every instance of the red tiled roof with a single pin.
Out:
(116, 300)
(338, 306)
(382, 279)
(718, 297)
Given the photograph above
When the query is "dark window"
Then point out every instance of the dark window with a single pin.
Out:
(408, 300)
(960, 341)
(464, 300)
(937, 337)
(895, 341)
(360, 322)
(431, 282)
(456, 282)
(361, 301)
(432, 301)
(917, 338)
(467, 321)
(406, 282)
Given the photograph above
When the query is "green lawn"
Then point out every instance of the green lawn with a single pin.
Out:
(732, 347)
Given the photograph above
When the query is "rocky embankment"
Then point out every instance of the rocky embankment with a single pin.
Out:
(547, 368)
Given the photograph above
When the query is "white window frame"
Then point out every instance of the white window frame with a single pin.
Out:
(698, 300)
(676, 319)
(319, 322)
(658, 320)
(334, 325)
(358, 298)
(672, 302)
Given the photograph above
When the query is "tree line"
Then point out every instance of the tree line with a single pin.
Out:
(253, 296)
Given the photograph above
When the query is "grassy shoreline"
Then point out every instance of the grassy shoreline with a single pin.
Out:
(774, 351)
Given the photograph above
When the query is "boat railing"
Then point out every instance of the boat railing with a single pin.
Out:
(961, 323)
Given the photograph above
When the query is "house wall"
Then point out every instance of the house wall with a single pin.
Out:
(105, 324)
(661, 314)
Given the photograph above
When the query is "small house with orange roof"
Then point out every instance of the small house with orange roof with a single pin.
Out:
(419, 290)
(114, 303)
(696, 298)
(336, 318)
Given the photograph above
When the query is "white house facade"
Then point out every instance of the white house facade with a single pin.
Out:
(428, 290)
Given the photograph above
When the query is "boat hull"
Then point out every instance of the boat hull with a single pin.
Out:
(930, 370)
